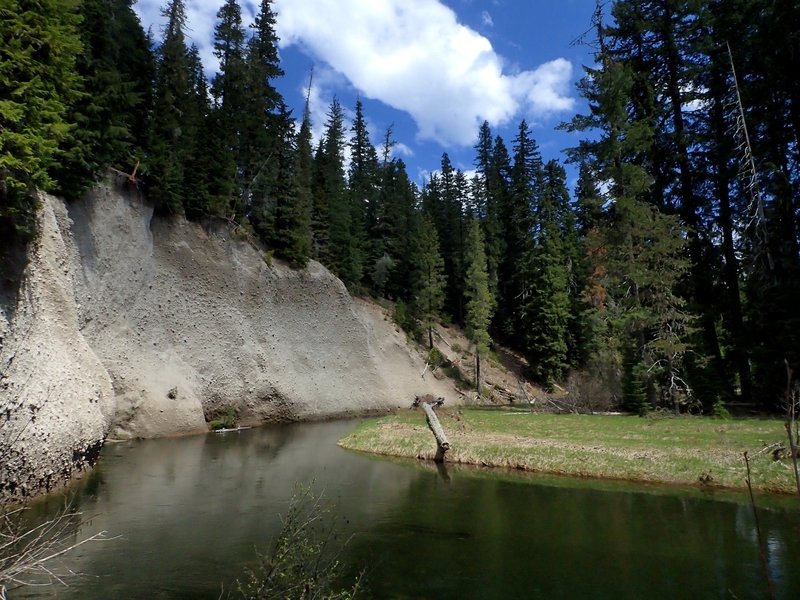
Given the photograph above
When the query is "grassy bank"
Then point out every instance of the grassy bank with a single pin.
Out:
(680, 450)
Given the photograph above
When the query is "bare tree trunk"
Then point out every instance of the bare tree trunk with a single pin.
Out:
(442, 445)
(790, 423)
(477, 372)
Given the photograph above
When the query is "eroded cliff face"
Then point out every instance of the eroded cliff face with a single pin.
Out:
(130, 325)
(56, 398)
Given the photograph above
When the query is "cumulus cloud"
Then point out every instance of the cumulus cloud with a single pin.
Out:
(417, 57)
(400, 149)
(413, 56)
(546, 89)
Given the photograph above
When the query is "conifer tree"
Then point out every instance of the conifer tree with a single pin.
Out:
(39, 44)
(589, 211)
(480, 303)
(320, 225)
(363, 193)
(517, 223)
(230, 109)
(292, 234)
(638, 251)
(721, 19)
(428, 276)
(547, 302)
(493, 197)
(589, 218)
(339, 247)
(498, 187)
(763, 202)
(396, 226)
(197, 146)
(443, 201)
(166, 165)
(116, 66)
(296, 232)
(262, 124)
(664, 71)
(475, 204)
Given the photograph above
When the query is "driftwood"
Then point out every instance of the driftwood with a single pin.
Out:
(131, 176)
(427, 402)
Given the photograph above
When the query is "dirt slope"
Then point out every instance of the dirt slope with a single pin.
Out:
(182, 322)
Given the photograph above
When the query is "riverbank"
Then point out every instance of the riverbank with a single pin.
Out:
(674, 450)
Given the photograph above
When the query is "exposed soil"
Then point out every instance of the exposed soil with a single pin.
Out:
(502, 373)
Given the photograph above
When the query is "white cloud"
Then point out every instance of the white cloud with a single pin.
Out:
(413, 56)
(486, 19)
(400, 149)
(416, 57)
(546, 89)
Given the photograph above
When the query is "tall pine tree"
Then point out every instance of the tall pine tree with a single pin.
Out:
(429, 279)
(229, 89)
(263, 126)
(480, 303)
(546, 299)
(167, 164)
(363, 194)
(518, 225)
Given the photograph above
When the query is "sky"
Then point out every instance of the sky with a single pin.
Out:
(433, 70)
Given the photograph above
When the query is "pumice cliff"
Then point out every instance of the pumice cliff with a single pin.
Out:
(128, 324)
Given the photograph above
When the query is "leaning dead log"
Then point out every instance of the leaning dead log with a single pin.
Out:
(427, 402)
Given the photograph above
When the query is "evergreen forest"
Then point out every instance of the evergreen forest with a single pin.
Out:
(668, 276)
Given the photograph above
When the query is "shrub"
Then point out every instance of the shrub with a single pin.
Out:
(224, 420)
(303, 561)
(719, 410)
(30, 548)
(435, 358)
(404, 319)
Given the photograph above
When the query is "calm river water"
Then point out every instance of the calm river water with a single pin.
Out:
(190, 513)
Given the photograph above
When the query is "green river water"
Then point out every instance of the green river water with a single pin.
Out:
(191, 512)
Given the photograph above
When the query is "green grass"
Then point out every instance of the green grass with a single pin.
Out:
(678, 450)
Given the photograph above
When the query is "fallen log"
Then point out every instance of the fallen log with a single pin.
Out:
(427, 399)
(427, 403)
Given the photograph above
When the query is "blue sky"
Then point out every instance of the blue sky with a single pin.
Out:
(434, 69)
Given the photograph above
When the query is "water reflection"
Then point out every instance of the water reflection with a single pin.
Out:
(192, 510)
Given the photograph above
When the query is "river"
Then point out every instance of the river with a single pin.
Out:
(191, 512)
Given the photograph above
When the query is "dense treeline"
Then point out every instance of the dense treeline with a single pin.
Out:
(669, 275)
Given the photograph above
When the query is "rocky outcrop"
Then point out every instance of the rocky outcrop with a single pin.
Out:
(55, 394)
(132, 325)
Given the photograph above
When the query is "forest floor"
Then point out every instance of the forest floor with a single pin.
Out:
(675, 450)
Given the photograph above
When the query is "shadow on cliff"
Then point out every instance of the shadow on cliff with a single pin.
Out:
(13, 262)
